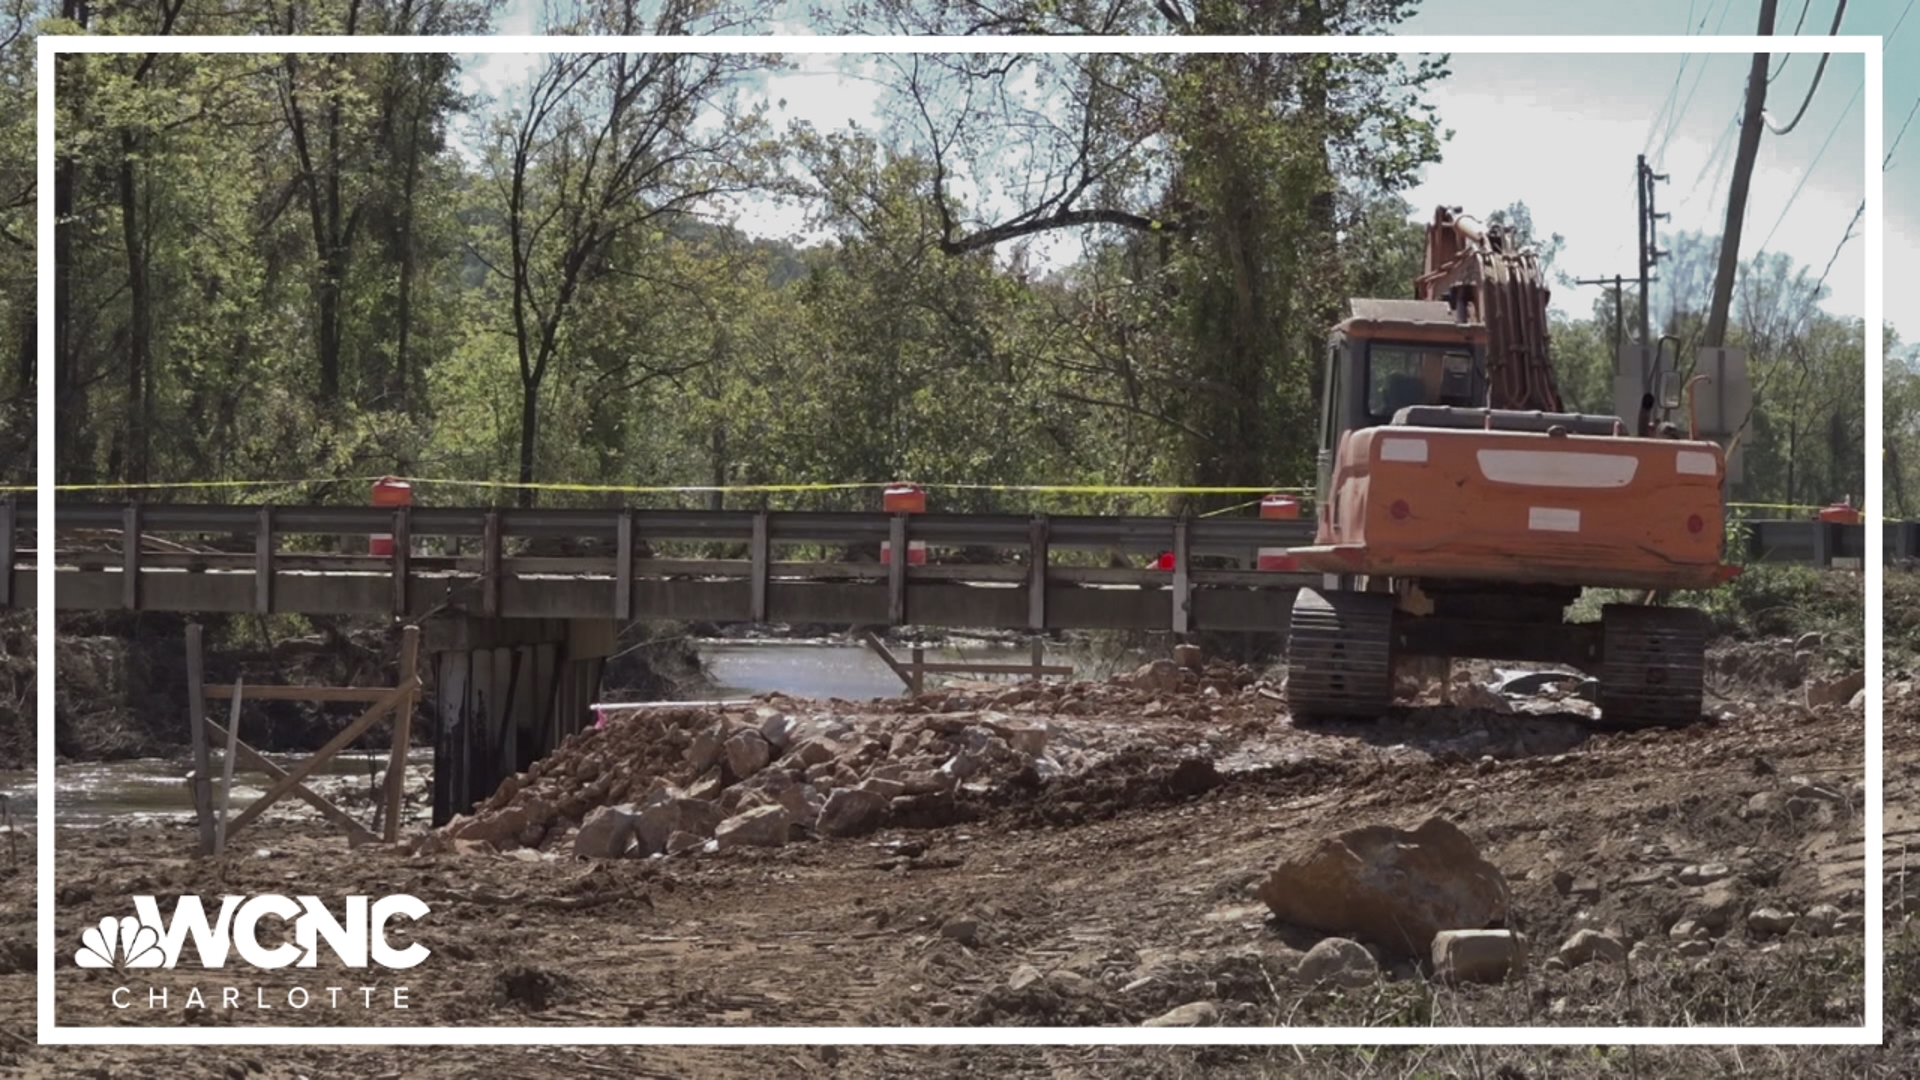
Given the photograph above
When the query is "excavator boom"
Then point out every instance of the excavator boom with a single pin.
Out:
(1479, 273)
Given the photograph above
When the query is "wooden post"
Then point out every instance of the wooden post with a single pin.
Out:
(402, 728)
(1037, 582)
(897, 572)
(197, 724)
(1039, 647)
(490, 566)
(402, 549)
(1180, 586)
(919, 669)
(623, 567)
(761, 556)
(226, 774)
(130, 557)
(263, 562)
(6, 553)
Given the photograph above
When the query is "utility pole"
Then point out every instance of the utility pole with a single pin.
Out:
(1618, 281)
(1750, 127)
(1650, 252)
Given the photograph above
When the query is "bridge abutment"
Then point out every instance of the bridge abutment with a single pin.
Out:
(507, 691)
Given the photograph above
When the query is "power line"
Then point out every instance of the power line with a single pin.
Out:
(1812, 165)
(1817, 73)
(1896, 25)
(1848, 235)
(1673, 92)
(1884, 162)
(1802, 21)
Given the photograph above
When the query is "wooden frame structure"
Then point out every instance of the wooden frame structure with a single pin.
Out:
(215, 828)
(914, 671)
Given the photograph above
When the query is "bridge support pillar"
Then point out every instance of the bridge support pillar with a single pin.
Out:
(507, 691)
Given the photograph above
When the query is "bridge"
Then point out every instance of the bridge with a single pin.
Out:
(521, 606)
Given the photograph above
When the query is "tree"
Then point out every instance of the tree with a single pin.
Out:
(602, 145)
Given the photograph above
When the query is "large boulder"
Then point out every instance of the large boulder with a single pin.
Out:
(606, 834)
(1395, 888)
(762, 826)
(852, 812)
(747, 752)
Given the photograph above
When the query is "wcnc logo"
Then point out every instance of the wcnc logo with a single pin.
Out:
(145, 940)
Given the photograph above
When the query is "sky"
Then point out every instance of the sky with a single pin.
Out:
(1561, 133)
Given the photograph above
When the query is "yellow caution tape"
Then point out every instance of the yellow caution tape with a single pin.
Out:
(703, 489)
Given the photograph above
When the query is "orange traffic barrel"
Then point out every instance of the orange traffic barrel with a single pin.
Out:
(388, 491)
(904, 498)
(1842, 512)
(1277, 507)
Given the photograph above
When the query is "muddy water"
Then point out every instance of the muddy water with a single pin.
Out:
(89, 793)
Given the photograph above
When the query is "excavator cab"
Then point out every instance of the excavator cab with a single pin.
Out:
(1391, 355)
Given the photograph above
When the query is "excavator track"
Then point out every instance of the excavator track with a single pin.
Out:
(1339, 655)
(1653, 662)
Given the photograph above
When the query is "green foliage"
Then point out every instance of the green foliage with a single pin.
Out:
(333, 282)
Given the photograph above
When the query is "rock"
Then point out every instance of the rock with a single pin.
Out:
(1192, 1014)
(1161, 676)
(964, 931)
(778, 730)
(763, 826)
(1809, 641)
(961, 766)
(683, 841)
(926, 783)
(1848, 924)
(501, 828)
(1339, 962)
(1693, 948)
(803, 801)
(1189, 657)
(1643, 952)
(1766, 804)
(1768, 921)
(1388, 885)
(1686, 929)
(606, 834)
(1836, 691)
(1478, 955)
(1586, 945)
(703, 752)
(812, 752)
(1031, 741)
(1704, 874)
(1821, 920)
(1024, 976)
(852, 812)
(1715, 908)
(888, 789)
(747, 753)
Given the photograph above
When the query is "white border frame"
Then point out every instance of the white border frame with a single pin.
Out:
(1868, 1034)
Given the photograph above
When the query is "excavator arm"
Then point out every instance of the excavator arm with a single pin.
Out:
(1476, 270)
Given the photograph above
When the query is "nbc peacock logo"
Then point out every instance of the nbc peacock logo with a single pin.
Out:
(120, 944)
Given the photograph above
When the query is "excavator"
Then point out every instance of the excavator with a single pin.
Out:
(1462, 509)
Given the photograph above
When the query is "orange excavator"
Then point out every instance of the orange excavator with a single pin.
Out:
(1462, 508)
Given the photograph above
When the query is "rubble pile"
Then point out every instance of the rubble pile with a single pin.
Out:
(675, 779)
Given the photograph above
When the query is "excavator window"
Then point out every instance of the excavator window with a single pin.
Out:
(1402, 375)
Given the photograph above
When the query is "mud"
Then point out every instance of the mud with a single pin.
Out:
(1111, 893)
